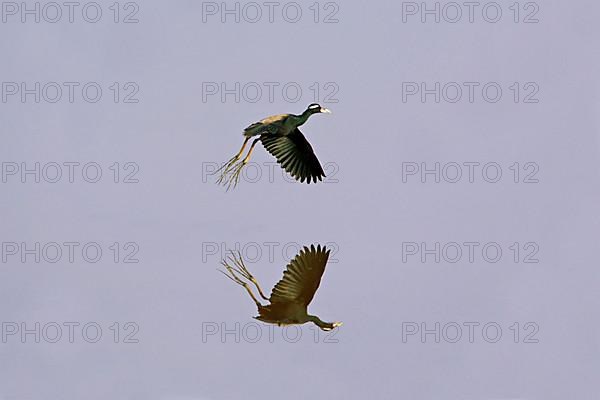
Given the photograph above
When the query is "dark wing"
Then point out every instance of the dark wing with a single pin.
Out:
(302, 276)
(295, 155)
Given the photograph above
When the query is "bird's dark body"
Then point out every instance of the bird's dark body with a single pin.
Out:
(270, 125)
(283, 313)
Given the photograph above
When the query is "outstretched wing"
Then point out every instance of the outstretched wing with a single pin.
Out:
(302, 276)
(295, 155)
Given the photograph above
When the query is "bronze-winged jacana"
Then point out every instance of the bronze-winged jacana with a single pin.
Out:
(281, 137)
(291, 295)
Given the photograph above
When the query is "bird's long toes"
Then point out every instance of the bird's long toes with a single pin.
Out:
(228, 179)
(237, 279)
(234, 175)
(240, 263)
(227, 172)
(248, 275)
(223, 177)
(244, 272)
(227, 165)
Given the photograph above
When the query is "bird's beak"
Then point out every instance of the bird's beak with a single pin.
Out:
(325, 110)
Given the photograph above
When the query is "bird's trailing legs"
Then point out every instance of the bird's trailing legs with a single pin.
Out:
(231, 174)
(241, 269)
(238, 267)
(227, 166)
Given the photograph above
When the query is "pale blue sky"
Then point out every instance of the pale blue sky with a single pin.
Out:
(368, 214)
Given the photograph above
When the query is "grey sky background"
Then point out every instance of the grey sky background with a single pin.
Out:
(175, 211)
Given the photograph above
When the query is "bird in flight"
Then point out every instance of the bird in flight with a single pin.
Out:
(291, 296)
(281, 137)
